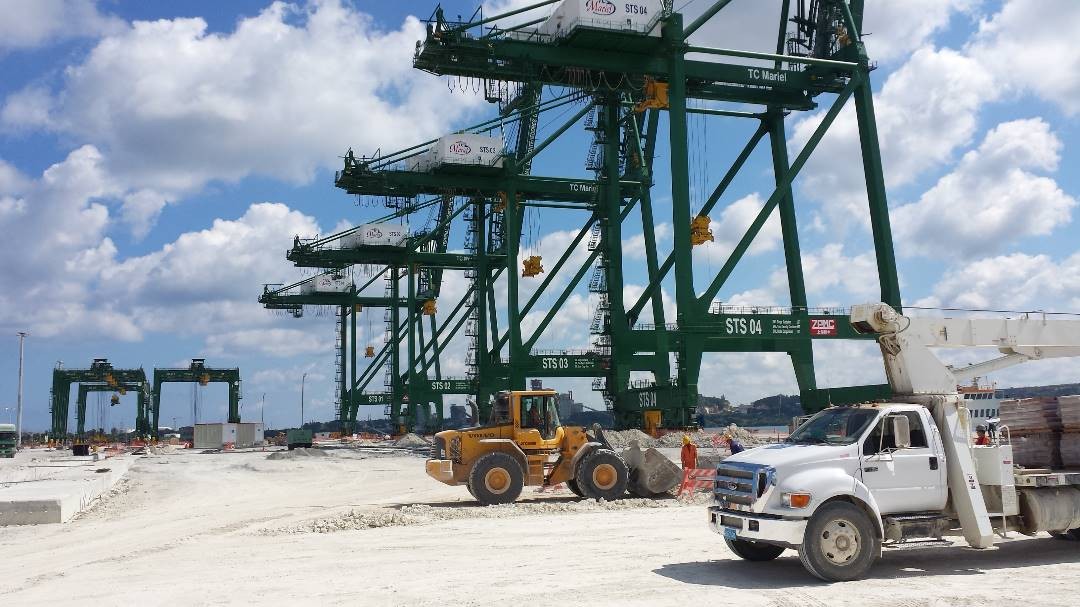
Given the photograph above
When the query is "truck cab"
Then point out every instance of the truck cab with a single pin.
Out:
(8, 440)
(853, 479)
(879, 459)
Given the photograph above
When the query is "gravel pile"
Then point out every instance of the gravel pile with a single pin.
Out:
(621, 438)
(412, 440)
(422, 514)
(300, 453)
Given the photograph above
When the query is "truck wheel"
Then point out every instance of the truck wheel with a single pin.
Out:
(496, 478)
(754, 551)
(1070, 535)
(602, 475)
(572, 485)
(840, 543)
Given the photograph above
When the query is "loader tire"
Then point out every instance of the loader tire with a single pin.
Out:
(602, 475)
(496, 478)
(840, 543)
(573, 486)
(754, 551)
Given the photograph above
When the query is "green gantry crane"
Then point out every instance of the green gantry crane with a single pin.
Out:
(293, 298)
(198, 373)
(628, 86)
(101, 375)
(408, 405)
(141, 390)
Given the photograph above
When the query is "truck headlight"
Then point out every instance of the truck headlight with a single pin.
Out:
(795, 500)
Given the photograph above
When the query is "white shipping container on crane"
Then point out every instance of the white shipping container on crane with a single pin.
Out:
(384, 234)
(460, 149)
(326, 283)
(639, 16)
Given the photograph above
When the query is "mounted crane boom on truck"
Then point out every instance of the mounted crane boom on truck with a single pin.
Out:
(852, 479)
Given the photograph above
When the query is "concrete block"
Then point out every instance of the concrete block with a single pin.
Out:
(60, 496)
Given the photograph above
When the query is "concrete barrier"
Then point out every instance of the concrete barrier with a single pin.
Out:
(63, 494)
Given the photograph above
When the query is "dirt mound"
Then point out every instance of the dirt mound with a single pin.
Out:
(297, 454)
(412, 440)
(743, 436)
(423, 514)
(620, 439)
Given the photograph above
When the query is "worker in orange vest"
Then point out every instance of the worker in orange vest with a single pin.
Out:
(689, 453)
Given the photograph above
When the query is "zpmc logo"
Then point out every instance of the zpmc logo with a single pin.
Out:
(460, 147)
(600, 7)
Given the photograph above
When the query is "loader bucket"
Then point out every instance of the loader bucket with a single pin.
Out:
(651, 472)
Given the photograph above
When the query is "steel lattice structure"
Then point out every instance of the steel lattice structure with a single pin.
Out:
(621, 84)
(101, 376)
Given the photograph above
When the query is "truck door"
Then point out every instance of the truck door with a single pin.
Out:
(904, 480)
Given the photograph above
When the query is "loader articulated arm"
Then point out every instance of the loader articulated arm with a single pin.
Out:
(912, 368)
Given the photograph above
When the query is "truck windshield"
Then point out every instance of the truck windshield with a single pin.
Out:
(839, 426)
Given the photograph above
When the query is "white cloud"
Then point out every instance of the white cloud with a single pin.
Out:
(1011, 282)
(829, 269)
(894, 29)
(925, 111)
(141, 210)
(227, 262)
(32, 23)
(733, 222)
(12, 181)
(284, 94)
(991, 199)
(270, 342)
(26, 109)
(745, 377)
(1031, 46)
(52, 226)
(288, 377)
(634, 247)
(72, 282)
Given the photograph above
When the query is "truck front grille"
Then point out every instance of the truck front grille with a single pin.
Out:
(738, 483)
(437, 448)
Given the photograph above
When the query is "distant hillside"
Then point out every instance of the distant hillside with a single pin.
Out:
(1035, 391)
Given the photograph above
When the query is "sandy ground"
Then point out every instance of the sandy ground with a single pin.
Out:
(238, 529)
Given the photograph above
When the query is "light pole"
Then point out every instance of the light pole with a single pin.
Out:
(262, 411)
(18, 403)
(303, 378)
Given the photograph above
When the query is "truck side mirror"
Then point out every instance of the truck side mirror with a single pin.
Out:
(901, 429)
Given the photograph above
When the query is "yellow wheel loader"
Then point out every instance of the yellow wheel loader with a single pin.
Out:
(524, 443)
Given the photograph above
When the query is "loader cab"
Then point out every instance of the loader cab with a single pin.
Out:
(534, 415)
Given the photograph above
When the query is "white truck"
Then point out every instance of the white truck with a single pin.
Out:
(853, 480)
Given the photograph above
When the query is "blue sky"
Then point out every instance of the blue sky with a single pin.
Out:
(156, 159)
